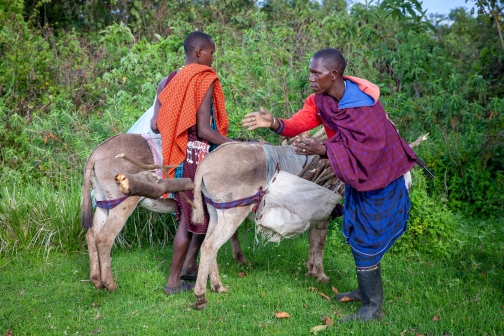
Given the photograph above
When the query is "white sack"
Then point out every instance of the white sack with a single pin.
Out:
(291, 205)
(142, 125)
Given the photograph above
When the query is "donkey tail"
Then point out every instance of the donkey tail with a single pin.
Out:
(86, 205)
(198, 214)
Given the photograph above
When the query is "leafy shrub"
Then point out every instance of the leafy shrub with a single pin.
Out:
(432, 226)
(65, 90)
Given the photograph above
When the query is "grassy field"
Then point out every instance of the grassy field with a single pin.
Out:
(74, 73)
(51, 295)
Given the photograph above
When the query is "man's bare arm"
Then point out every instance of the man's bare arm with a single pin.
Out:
(205, 131)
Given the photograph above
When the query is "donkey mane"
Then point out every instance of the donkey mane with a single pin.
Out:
(285, 158)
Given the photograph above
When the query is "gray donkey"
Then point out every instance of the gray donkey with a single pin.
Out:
(103, 227)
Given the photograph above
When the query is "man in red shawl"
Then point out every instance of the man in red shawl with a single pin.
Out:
(190, 115)
(366, 153)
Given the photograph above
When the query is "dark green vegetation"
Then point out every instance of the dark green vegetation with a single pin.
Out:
(73, 73)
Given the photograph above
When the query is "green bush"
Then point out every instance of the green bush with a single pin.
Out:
(65, 89)
(432, 226)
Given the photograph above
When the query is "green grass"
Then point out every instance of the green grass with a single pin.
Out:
(52, 295)
(40, 216)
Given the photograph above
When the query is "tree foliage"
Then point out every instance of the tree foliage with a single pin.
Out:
(73, 73)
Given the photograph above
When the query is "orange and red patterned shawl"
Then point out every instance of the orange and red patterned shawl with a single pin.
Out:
(180, 101)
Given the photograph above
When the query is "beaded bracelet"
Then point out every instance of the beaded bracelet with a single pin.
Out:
(274, 121)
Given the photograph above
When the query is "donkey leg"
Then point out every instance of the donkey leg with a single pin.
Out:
(317, 239)
(215, 281)
(235, 243)
(237, 251)
(105, 237)
(99, 219)
(227, 223)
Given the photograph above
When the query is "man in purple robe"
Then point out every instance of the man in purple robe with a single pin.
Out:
(367, 153)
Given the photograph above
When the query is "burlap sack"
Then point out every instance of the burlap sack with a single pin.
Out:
(291, 205)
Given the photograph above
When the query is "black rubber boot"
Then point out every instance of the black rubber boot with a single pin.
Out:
(349, 296)
(371, 290)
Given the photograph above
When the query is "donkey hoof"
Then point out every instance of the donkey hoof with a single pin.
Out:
(98, 284)
(310, 274)
(323, 278)
(241, 259)
(201, 302)
(111, 288)
(218, 288)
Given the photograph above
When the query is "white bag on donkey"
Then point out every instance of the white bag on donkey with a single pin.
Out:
(291, 205)
(142, 125)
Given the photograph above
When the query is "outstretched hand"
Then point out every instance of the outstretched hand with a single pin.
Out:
(261, 119)
(304, 145)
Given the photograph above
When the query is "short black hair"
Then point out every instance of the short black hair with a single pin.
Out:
(196, 40)
(332, 59)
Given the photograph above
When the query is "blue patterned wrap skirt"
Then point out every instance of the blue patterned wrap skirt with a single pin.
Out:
(374, 220)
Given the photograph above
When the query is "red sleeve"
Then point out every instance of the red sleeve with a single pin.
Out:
(304, 120)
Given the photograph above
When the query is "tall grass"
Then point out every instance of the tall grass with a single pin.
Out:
(44, 218)
(40, 216)
(145, 227)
